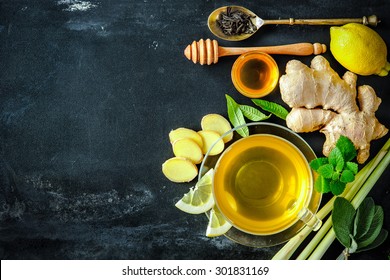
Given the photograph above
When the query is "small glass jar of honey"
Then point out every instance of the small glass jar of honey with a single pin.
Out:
(255, 74)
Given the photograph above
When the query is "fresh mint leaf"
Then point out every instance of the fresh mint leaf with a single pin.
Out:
(343, 218)
(337, 187)
(326, 171)
(271, 107)
(345, 145)
(336, 159)
(322, 185)
(375, 228)
(347, 176)
(335, 176)
(364, 215)
(318, 162)
(352, 166)
(236, 117)
(378, 241)
(252, 113)
(337, 167)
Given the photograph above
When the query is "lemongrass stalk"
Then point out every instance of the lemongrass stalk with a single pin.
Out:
(316, 239)
(349, 193)
(356, 201)
(292, 245)
(323, 246)
(362, 194)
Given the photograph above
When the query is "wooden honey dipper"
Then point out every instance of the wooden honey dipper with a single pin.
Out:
(207, 51)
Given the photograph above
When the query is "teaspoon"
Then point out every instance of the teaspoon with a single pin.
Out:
(213, 18)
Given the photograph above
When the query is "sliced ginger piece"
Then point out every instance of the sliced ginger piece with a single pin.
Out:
(189, 149)
(217, 123)
(179, 170)
(183, 132)
(209, 138)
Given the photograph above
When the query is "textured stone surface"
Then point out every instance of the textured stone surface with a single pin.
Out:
(89, 91)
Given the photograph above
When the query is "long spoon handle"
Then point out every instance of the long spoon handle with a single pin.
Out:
(370, 20)
(291, 49)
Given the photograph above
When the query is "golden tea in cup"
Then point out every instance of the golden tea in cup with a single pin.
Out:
(255, 74)
(261, 183)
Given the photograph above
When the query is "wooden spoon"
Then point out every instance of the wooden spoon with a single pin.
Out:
(207, 51)
(258, 22)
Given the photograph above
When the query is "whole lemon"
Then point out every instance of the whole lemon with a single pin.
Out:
(359, 49)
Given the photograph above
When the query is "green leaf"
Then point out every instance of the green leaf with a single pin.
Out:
(378, 241)
(352, 166)
(375, 228)
(252, 113)
(342, 218)
(346, 147)
(322, 185)
(347, 176)
(236, 117)
(318, 162)
(337, 187)
(335, 176)
(326, 171)
(336, 159)
(364, 215)
(354, 245)
(271, 107)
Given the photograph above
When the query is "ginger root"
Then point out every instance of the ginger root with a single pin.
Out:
(179, 170)
(210, 137)
(183, 132)
(321, 100)
(217, 123)
(189, 149)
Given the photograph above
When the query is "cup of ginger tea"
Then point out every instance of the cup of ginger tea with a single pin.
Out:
(263, 184)
(255, 74)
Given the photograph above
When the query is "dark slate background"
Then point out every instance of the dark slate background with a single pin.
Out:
(89, 91)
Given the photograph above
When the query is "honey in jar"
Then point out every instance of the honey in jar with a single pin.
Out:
(255, 74)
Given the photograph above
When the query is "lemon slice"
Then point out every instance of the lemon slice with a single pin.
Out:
(217, 224)
(200, 198)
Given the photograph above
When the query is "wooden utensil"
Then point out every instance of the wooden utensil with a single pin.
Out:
(208, 51)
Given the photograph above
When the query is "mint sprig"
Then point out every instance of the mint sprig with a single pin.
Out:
(358, 230)
(336, 170)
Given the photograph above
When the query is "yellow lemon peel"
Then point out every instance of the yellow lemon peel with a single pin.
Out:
(359, 49)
